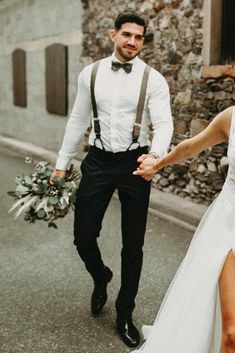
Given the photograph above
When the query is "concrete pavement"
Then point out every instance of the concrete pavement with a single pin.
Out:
(45, 290)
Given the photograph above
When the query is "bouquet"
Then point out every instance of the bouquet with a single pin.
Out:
(38, 199)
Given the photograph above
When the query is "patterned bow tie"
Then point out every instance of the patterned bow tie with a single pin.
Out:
(126, 66)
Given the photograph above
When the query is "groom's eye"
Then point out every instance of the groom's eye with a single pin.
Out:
(126, 34)
(139, 37)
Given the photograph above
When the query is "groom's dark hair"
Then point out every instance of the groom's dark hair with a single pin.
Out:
(129, 16)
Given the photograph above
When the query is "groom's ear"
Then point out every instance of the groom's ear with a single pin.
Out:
(112, 35)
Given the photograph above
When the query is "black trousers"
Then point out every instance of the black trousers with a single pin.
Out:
(102, 173)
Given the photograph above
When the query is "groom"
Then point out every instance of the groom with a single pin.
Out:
(122, 96)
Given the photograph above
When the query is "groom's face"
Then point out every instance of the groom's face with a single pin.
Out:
(128, 41)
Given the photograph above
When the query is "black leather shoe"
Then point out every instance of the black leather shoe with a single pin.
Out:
(128, 332)
(99, 295)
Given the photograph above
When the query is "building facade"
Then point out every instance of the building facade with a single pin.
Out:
(28, 30)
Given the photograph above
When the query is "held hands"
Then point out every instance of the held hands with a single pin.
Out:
(148, 166)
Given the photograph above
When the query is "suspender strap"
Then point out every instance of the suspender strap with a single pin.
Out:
(140, 106)
(93, 101)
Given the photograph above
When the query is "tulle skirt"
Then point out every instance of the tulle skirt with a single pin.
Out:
(189, 319)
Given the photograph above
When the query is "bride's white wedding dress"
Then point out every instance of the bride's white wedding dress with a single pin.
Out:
(189, 319)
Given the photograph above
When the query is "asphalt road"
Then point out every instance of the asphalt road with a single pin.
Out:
(45, 290)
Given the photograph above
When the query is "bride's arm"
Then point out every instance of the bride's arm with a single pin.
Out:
(216, 132)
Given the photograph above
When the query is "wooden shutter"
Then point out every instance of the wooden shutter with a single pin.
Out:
(19, 77)
(57, 79)
(228, 32)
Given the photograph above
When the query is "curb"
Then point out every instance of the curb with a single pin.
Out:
(168, 207)
(175, 209)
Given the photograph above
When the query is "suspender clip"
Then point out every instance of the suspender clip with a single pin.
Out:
(97, 126)
(136, 132)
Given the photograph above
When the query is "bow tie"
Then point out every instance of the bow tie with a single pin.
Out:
(126, 66)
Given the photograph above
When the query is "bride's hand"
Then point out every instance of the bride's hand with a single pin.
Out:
(146, 168)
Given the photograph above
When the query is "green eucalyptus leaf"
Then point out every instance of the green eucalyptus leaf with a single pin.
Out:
(18, 180)
(58, 181)
(11, 193)
(35, 188)
(53, 200)
(28, 180)
(41, 167)
(41, 213)
(52, 225)
(69, 185)
(41, 189)
(72, 198)
(48, 173)
(22, 189)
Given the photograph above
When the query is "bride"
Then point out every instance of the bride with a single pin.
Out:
(198, 312)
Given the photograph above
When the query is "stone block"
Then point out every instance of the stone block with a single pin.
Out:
(183, 97)
(197, 125)
(211, 167)
(181, 127)
(146, 6)
(194, 59)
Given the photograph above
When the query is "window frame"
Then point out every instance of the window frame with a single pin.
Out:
(212, 33)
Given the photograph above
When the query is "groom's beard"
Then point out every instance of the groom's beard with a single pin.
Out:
(128, 52)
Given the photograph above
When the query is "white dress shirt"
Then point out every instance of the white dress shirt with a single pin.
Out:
(117, 95)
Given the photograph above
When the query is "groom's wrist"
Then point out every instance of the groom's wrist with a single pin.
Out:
(153, 154)
(155, 157)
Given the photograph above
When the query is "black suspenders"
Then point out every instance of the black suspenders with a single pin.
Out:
(140, 106)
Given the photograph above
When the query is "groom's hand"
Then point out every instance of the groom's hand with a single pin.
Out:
(57, 174)
(146, 168)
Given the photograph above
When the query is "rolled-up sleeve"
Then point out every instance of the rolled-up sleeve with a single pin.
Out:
(78, 122)
(160, 114)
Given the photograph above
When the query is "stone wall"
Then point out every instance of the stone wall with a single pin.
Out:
(173, 46)
(33, 25)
